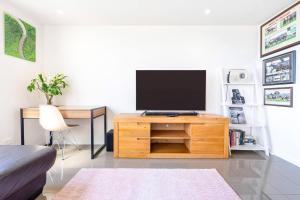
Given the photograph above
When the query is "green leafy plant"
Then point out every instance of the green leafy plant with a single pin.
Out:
(50, 86)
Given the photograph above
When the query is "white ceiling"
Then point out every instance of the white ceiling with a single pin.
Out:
(152, 12)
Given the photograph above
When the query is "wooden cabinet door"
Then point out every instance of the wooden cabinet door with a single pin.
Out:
(207, 130)
(212, 146)
(207, 139)
(134, 140)
(134, 129)
(134, 147)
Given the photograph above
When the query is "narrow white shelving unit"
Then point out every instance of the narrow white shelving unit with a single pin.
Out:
(253, 109)
(247, 147)
(239, 83)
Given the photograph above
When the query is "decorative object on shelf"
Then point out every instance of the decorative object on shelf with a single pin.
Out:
(237, 98)
(237, 115)
(280, 69)
(278, 96)
(20, 38)
(50, 86)
(281, 32)
(238, 76)
(249, 140)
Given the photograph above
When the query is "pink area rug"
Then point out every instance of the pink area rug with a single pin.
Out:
(146, 184)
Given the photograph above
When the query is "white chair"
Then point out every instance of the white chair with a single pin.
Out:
(52, 120)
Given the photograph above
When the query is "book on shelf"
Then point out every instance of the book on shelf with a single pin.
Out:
(237, 115)
(238, 137)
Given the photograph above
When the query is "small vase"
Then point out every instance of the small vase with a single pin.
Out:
(49, 100)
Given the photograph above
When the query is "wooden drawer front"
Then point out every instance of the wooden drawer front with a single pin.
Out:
(207, 130)
(134, 146)
(134, 129)
(207, 146)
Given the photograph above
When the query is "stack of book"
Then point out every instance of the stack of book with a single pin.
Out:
(239, 137)
(236, 137)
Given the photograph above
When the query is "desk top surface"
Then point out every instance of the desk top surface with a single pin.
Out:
(68, 112)
(65, 107)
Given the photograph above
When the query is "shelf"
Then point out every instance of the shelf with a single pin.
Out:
(248, 147)
(168, 148)
(241, 105)
(169, 134)
(245, 126)
(239, 83)
(253, 109)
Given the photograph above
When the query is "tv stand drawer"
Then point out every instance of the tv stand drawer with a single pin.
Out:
(206, 130)
(134, 129)
(207, 146)
(132, 147)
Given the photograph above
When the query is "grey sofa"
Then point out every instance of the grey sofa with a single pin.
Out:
(23, 170)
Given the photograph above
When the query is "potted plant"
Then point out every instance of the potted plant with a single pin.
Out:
(50, 86)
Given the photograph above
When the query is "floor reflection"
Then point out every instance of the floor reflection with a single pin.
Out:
(251, 175)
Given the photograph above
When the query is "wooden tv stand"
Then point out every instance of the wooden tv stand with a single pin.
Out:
(202, 136)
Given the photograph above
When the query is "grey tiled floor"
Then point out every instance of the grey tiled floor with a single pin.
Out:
(251, 175)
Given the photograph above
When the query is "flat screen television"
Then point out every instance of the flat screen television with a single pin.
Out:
(170, 90)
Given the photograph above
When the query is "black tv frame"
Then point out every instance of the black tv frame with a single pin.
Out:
(176, 112)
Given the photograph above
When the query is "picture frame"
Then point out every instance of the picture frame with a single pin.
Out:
(19, 38)
(281, 32)
(237, 115)
(280, 69)
(278, 96)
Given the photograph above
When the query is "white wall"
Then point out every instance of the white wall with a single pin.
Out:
(15, 74)
(101, 60)
(283, 123)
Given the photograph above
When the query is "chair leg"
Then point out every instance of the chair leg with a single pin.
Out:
(57, 143)
(63, 148)
(74, 141)
(61, 170)
(61, 145)
(49, 173)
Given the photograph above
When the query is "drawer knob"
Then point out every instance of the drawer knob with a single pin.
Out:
(199, 140)
(142, 138)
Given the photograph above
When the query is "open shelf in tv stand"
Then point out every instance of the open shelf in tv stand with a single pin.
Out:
(168, 139)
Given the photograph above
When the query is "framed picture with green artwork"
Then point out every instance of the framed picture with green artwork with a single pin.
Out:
(281, 32)
(278, 96)
(20, 38)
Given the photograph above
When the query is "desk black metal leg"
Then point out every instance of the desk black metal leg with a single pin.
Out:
(105, 142)
(92, 137)
(93, 155)
(22, 127)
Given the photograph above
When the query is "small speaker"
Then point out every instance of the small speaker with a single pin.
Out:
(110, 141)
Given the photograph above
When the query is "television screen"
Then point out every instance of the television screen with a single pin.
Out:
(171, 90)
